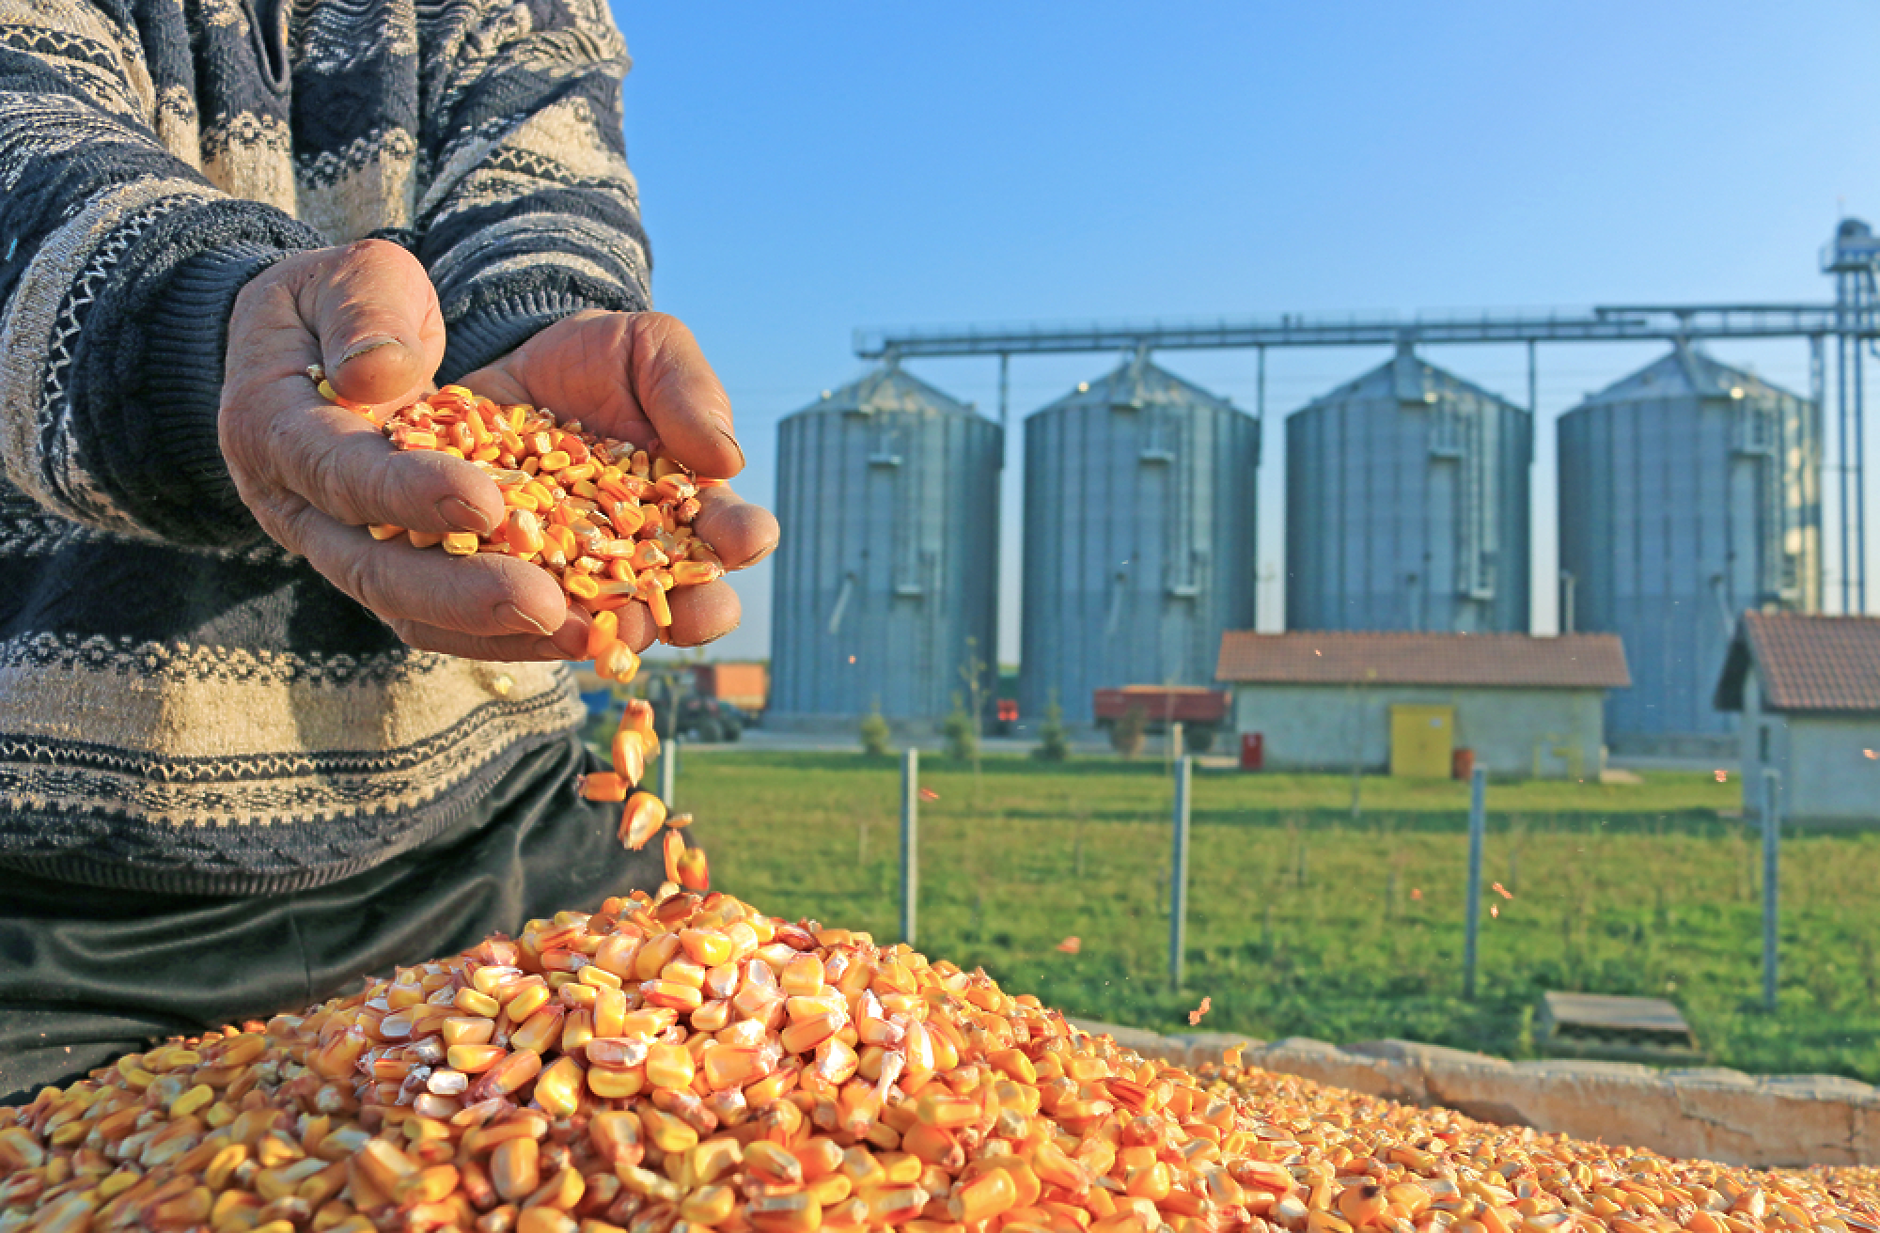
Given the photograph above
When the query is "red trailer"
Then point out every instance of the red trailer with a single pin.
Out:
(1200, 711)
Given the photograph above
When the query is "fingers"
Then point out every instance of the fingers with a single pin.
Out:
(637, 627)
(703, 613)
(377, 319)
(338, 461)
(740, 533)
(680, 394)
(507, 648)
(483, 596)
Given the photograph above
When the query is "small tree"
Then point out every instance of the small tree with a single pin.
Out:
(1128, 733)
(876, 737)
(973, 673)
(1054, 739)
(962, 733)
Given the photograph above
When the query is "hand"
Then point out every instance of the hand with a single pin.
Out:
(637, 377)
(315, 475)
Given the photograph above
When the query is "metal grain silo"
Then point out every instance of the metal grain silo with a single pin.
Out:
(1689, 492)
(1407, 505)
(1139, 537)
(887, 568)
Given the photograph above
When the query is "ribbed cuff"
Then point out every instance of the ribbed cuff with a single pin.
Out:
(186, 339)
(147, 378)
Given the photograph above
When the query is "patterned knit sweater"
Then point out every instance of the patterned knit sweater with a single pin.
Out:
(183, 705)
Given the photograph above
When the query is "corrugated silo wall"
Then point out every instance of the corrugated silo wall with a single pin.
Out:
(1371, 499)
(1133, 566)
(1670, 514)
(887, 563)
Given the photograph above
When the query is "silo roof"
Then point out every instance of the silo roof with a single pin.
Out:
(889, 388)
(1138, 383)
(1407, 378)
(1685, 372)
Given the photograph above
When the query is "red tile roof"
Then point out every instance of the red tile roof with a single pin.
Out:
(1823, 664)
(1571, 661)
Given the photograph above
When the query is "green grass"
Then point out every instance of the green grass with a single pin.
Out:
(1303, 921)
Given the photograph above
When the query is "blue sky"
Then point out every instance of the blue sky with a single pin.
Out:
(809, 169)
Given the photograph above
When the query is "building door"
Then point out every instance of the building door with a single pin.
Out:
(1422, 740)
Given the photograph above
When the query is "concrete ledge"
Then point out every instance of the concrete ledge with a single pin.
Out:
(1709, 1112)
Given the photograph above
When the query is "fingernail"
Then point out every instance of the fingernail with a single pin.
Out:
(363, 346)
(724, 430)
(462, 515)
(545, 648)
(571, 639)
(512, 617)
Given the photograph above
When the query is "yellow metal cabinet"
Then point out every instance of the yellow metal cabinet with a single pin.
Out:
(1422, 740)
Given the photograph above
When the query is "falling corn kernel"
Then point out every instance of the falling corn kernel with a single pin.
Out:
(1194, 1016)
(694, 872)
(1071, 945)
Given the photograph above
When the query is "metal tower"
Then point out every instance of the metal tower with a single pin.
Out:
(1853, 259)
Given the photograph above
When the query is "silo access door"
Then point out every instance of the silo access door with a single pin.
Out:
(1422, 740)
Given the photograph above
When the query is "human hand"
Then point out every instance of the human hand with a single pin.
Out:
(636, 377)
(315, 475)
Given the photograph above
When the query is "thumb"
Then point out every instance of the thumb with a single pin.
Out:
(377, 318)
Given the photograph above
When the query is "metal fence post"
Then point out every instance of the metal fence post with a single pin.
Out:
(910, 845)
(1178, 874)
(1772, 845)
(1478, 828)
(669, 771)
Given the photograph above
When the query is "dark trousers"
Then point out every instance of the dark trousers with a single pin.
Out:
(88, 974)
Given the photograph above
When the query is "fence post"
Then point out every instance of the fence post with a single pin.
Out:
(1478, 828)
(1772, 845)
(669, 771)
(910, 845)
(1178, 874)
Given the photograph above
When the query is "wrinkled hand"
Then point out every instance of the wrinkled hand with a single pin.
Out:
(637, 377)
(315, 475)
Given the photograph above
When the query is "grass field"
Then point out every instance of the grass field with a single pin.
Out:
(1303, 921)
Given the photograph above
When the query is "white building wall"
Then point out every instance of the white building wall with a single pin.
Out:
(1827, 777)
(1319, 727)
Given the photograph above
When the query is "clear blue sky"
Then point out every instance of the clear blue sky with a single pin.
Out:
(808, 169)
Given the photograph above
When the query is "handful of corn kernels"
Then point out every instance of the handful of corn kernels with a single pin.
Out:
(683, 1064)
(612, 523)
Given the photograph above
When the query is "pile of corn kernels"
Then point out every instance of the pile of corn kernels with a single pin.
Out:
(680, 1064)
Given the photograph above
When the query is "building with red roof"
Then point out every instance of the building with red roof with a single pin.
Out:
(1808, 689)
(1521, 705)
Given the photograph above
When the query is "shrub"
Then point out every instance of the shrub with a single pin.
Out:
(961, 733)
(876, 737)
(1054, 739)
(1128, 732)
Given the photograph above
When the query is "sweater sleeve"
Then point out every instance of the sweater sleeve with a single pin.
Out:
(530, 213)
(119, 263)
